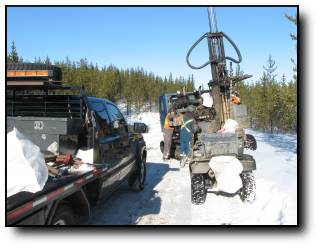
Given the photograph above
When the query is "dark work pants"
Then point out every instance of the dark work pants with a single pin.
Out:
(167, 137)
(185, 141)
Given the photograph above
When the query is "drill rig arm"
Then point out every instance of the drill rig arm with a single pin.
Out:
(221, 82)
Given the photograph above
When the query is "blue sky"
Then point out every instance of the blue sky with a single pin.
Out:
(155, 38)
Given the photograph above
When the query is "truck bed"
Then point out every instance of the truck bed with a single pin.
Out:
(22, 203)
(51, 185)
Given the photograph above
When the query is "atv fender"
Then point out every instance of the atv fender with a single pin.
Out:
(248, 163)
(202, 167)
(199, 167)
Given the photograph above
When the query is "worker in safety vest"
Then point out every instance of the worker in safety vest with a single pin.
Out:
(236, 98)
(187, 129)
(167, 133)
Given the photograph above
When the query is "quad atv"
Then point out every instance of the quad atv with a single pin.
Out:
(208, 143)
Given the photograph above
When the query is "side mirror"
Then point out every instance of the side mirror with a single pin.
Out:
(140, 128)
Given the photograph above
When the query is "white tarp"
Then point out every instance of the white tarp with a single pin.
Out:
(26, 168)
(229, 126)
(54, 148)
(82, 168)
(227, 170)
(207, 100)
(86, 156)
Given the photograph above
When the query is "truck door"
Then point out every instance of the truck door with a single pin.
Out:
(164, 107)
(105, 145)
(125, 149)
(162, 110)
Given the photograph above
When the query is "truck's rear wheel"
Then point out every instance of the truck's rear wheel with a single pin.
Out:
(248, 190)
(64, 216)
(176, 152)
(137, 179)
(198, 190)
(162, 146)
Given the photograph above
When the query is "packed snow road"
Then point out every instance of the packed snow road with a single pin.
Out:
(166, 197)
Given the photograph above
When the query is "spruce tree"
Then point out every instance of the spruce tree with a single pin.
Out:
(293, 36)
(13, 56)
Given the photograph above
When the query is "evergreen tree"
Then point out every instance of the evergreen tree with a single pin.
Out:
(293, 36)
(47, 60)
(13, 56)
(271, 94)
(134, 86)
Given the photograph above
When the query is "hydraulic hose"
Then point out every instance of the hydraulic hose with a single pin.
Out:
(191, 49)
(235, 48)
(212, 60)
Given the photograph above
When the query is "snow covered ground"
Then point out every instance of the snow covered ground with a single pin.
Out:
(166, 197)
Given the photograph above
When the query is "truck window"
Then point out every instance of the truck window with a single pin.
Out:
(102, 117)
(114, 113)
(100, 109)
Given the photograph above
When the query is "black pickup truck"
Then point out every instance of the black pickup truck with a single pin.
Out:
(46, 111)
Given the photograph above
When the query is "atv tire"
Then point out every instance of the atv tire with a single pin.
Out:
(248, 190)
(250, 142)
(198, 190)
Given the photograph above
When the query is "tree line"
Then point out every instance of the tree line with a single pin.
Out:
(272, 104)
(135, 87)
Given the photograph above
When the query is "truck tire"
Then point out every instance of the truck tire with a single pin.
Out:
(64, 216)
(176, 152)
(162, 146)
(198, 190)
(137, 179)
(248, 190)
